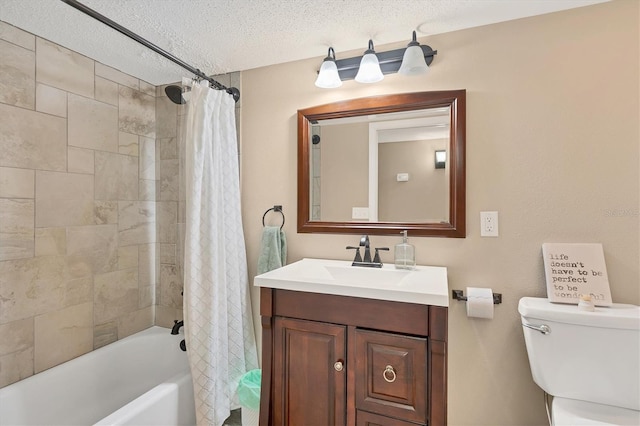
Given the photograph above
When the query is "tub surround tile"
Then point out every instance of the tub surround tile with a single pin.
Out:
(62, 68)
(80, 160)
(147, 297)
(106, 91)
(92, 124)
(64, 199)
(32, 140)
(92, 250)
(147, 190)
(115, 294)
(30, 287)
(17, 75)
(16, 366)
(147, 89)
(17, 36)
(136, 222)
(166, 113)
(116, 176)
(167, 217)
(168, 148)
(63, 335)
(137, 112)
(168, 254)
(16, 228)
(127, 257)
(106, 333)
(169, 180)
(51, 100)
(170, 287)
(50, 241)
(147, 265)
(165, 316)
(116, 76)
(128, 144)
(134, 322)
(105, 212)
(16, 336)
(16, 351)
(78, 290)
(17, 183)
(148, 158)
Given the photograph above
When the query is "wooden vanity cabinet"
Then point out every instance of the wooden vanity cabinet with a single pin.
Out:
(338, 360)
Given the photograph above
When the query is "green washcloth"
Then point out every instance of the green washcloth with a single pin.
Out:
(273, 249)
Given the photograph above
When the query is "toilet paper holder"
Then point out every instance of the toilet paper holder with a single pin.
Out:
(459, 295)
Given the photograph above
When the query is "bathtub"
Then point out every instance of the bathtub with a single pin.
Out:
(143, 379)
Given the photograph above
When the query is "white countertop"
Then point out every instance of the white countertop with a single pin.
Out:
(426, 285)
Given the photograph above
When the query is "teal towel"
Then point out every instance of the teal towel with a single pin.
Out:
(273, 249)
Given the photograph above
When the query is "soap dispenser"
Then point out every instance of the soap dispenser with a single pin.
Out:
(405, 254)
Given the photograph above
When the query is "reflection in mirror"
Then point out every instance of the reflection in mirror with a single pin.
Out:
(392, 165)
(369, 165)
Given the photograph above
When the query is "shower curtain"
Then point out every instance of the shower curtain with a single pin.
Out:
(217, 311)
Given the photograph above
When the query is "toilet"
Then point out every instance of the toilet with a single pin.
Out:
(589, 362)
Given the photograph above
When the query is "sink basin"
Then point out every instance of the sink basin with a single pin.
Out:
(424, 285)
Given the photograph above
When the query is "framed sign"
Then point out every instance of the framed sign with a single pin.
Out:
(573, 269)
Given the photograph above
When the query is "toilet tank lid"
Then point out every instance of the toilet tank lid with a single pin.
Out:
(618, 315)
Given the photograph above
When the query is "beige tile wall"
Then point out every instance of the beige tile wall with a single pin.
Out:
(81, 190)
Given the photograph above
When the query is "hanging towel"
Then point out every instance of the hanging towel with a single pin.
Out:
(273, 249)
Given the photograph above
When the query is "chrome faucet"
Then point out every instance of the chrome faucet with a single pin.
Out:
(366, 260)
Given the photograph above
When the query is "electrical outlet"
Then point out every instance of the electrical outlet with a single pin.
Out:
(488, 224)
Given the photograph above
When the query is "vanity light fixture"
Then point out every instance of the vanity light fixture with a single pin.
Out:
(371, 67)
(328, 77)
(413, 60)
(369, 70)
(441, 158)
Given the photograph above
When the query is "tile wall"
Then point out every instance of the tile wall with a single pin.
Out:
(88, 205)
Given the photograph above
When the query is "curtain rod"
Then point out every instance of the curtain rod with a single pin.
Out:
(88, 11)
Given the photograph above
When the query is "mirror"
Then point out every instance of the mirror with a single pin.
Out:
(383, 164)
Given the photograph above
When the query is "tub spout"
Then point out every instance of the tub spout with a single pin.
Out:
(176, 326)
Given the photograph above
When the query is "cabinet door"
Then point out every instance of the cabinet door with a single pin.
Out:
(391, 375)
(370, 419)
(309, 380)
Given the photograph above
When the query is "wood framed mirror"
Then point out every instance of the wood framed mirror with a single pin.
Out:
(373, 165)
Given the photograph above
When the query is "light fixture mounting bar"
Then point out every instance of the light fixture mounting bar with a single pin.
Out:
(389, 62)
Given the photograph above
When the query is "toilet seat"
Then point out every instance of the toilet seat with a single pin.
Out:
(570, 412)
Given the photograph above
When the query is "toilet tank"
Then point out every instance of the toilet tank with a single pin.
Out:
(588, 356)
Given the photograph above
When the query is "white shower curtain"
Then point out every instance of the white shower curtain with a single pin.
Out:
(217, 312)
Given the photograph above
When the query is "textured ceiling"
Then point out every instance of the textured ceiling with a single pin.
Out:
(219, 36)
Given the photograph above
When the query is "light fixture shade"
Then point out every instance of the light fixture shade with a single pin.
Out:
(413, 61)
(369, 70)
(328, 77)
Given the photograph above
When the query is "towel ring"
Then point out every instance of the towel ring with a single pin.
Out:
(275, 209)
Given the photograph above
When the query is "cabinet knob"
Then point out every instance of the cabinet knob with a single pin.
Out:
(338, 366)
(389, 374)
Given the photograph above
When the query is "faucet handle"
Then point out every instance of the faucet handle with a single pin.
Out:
(376, 257)
(358, 258)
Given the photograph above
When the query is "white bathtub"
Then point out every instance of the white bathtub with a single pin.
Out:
(143, 379)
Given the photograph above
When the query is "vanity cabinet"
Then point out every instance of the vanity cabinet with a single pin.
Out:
(340, 360)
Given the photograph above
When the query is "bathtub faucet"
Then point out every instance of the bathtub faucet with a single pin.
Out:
(176, 326)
